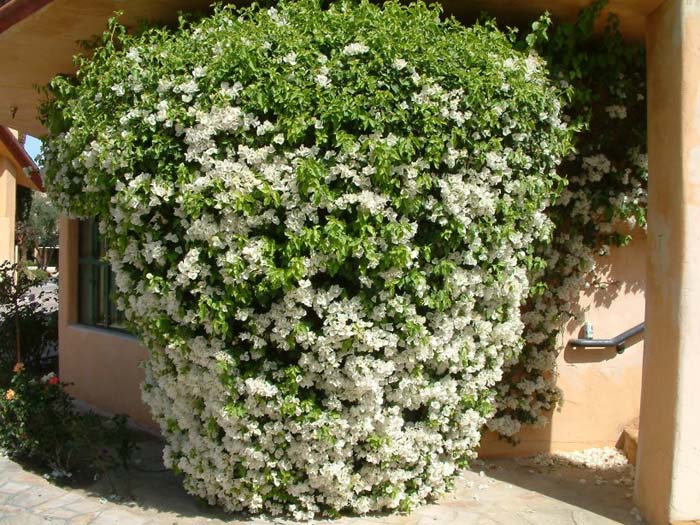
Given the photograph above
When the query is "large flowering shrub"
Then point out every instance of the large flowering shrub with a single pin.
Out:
(321, 224)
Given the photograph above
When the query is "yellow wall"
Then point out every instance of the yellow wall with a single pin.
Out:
(668, 466)
(11, 175)
(8, 196)
(601, 388)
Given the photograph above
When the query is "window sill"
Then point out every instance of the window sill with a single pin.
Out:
(108, 332)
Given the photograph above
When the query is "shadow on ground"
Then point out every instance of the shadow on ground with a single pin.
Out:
(606, 493)
(148, 485)
(537, 491)
(532, 491)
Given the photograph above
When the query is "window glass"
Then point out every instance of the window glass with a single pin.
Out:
(96, 305)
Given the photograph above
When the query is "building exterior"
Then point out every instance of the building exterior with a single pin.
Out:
(16, 169)
(602, 390)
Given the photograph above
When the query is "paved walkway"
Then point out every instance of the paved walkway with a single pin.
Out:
(538, 491)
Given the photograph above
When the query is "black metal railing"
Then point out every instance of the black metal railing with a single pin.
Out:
(618, 342)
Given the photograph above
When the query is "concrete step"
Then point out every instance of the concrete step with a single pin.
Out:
(629, 439)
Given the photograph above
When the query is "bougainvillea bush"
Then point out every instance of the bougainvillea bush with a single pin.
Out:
(604, 201)
(321, 223)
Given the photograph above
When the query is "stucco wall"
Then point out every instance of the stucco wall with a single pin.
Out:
(8, 195)
(668, 469)
(601, 388)
(103, 365)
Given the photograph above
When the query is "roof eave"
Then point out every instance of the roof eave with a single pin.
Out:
(21, 157)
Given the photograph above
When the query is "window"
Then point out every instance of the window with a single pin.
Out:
(96, 287)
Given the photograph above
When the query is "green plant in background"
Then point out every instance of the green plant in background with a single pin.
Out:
(43, 218)
(37, 418)
(28, 320)
(36, 229)
(321, 223)
(22, 229)
(43, 226)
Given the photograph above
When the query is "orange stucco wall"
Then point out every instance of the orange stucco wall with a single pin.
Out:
(601, 388)
(103, 365)
(668, 468)
(8, 190)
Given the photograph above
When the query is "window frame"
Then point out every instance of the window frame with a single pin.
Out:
(99, 298)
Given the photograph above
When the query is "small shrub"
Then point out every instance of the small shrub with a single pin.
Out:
(28, 324)
(36, 416)
(38, 421)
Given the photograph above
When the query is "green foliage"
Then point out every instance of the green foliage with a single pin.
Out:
(264, 176)
(39, 340)
(43, 220)
(37, 417)
(24, 204)
(28, 328)
(22, 212)
(603, 79)
(35, 420)
(38, 422)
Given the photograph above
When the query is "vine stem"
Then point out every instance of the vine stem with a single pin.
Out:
(15, 312)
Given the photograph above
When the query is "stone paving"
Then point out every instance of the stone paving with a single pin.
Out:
(504, 491)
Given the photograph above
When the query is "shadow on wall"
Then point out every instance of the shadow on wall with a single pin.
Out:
(599, 355)
(623, 274)
(601, 388)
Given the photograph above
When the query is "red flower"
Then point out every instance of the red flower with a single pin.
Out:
(53, 380)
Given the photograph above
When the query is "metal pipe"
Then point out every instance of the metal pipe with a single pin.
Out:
(617, 342)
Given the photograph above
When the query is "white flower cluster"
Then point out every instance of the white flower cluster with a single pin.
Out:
(328, 303)
(389, 382)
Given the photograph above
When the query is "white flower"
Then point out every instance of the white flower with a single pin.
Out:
(616, 112)
(399, 64)
(323, 80)
(297, 318)
(188, 87)
(290, 58)
(356, 48)
(46, 378)
(265, 127)
(133, 54)
(189, 267)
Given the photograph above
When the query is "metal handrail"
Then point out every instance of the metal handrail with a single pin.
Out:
(618, 342)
